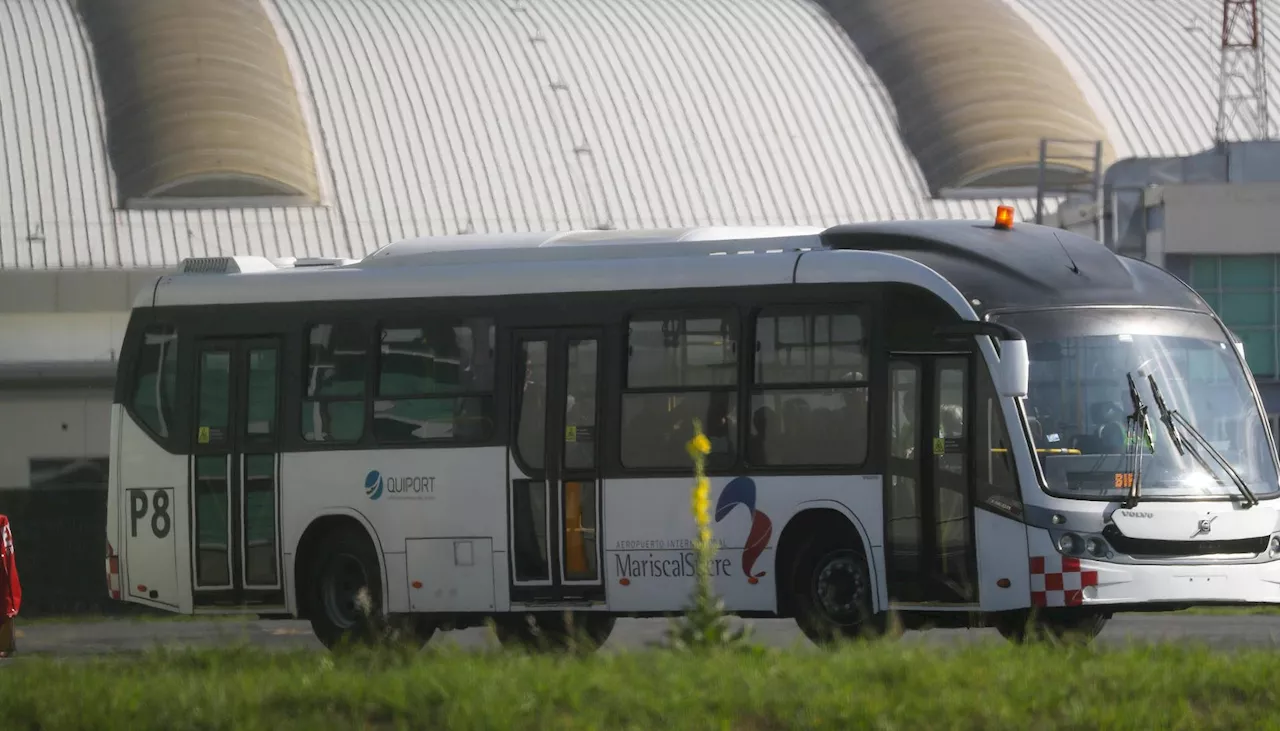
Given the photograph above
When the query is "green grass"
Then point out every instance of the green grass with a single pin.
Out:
(881, 686)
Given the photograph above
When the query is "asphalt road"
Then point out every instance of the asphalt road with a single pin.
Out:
(67, 639)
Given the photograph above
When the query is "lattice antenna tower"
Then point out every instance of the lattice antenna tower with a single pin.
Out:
(1242, 73)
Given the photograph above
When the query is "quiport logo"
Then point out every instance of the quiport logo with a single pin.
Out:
(742, 491)
(373, 484)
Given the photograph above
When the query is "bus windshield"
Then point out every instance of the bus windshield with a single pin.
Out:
(1079, 402)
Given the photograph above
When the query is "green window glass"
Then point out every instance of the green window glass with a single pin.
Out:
(1260, 350)
(1204, 272)
(1247, 272)
(1247, 309)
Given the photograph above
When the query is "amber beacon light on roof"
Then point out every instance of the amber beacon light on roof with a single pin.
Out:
(1004, 217)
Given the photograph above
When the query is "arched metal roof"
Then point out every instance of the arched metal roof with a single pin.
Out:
(974, 87)
(198, 100)
(435, 118)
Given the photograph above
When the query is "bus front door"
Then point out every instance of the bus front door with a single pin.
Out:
(235, 475)
(929, 534)
(553, 498)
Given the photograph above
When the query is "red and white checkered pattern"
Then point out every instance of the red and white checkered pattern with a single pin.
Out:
(113, 572)
(1057, 581)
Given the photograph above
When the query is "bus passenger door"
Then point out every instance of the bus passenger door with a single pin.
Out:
(554, 495)
(930, 552)
(235, 475)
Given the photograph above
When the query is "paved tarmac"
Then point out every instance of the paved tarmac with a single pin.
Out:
(69, 639)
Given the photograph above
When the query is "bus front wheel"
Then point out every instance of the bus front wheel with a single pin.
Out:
(832, 587)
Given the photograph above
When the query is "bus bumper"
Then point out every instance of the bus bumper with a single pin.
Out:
(1061, 581)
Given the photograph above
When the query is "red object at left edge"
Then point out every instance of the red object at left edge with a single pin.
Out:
(10, 589)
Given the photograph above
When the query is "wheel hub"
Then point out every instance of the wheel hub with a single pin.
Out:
(840, 586)
(340, 591)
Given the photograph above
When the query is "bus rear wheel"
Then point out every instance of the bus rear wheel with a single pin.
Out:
(832, 587)
(554, 631)
(345, 597)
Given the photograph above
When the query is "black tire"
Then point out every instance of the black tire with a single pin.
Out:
(1069, 627)
(832, 586)
(551, 631)
(344, 566)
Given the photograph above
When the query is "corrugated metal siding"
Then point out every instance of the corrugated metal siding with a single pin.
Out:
(1152, 67)
(508, 115)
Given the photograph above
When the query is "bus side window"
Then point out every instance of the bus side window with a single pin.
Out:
(809, 396)
(155, 379)
(333, 402)
(435, 382)
(679, 368)
(997, 483)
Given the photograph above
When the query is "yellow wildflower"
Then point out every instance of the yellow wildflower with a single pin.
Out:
(701, 507)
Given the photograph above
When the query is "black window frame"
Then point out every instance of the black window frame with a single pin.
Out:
(135, 372)
(305, 399)
(374, 380)
(731, 316)
(810, 310)
(997, 490)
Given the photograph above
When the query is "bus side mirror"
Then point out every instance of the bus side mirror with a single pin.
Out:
(1012, 371)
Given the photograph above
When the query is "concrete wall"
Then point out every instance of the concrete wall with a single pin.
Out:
(24, 291)
(50, 424)
(1216, 218)
(60, 337)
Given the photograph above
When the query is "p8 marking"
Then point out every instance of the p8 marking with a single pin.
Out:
(154, 502)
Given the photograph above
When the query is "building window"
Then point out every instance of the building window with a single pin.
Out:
(809, 397)
(69, 472)
(155, 379)
(333, 404)
(1243, 291)
(680, 368)
(435, 382)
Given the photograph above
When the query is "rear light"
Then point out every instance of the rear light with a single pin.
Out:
(113, 572)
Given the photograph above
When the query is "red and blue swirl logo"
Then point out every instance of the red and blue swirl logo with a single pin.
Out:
(742, 491)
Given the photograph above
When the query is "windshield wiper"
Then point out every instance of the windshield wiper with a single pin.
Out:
(1179, 441)
(1137, 422)
(1170, 416)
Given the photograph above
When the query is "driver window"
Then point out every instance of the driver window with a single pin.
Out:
(997, 483)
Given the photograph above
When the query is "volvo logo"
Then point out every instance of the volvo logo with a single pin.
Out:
(1205, 525)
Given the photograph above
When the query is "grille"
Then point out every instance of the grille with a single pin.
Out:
(1164, 549)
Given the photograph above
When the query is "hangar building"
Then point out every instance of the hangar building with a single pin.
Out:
(134, 133)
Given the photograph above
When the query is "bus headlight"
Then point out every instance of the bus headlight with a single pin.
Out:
(1097, 547)
(1084, 545)
(1274, 549)
(1071, 544)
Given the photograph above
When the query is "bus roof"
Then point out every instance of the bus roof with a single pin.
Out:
(1028, 266)
(987, 267)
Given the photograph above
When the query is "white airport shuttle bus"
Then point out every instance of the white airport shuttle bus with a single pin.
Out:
(964, 423)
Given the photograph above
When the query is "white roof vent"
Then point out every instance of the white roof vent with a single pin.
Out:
(226, 265)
